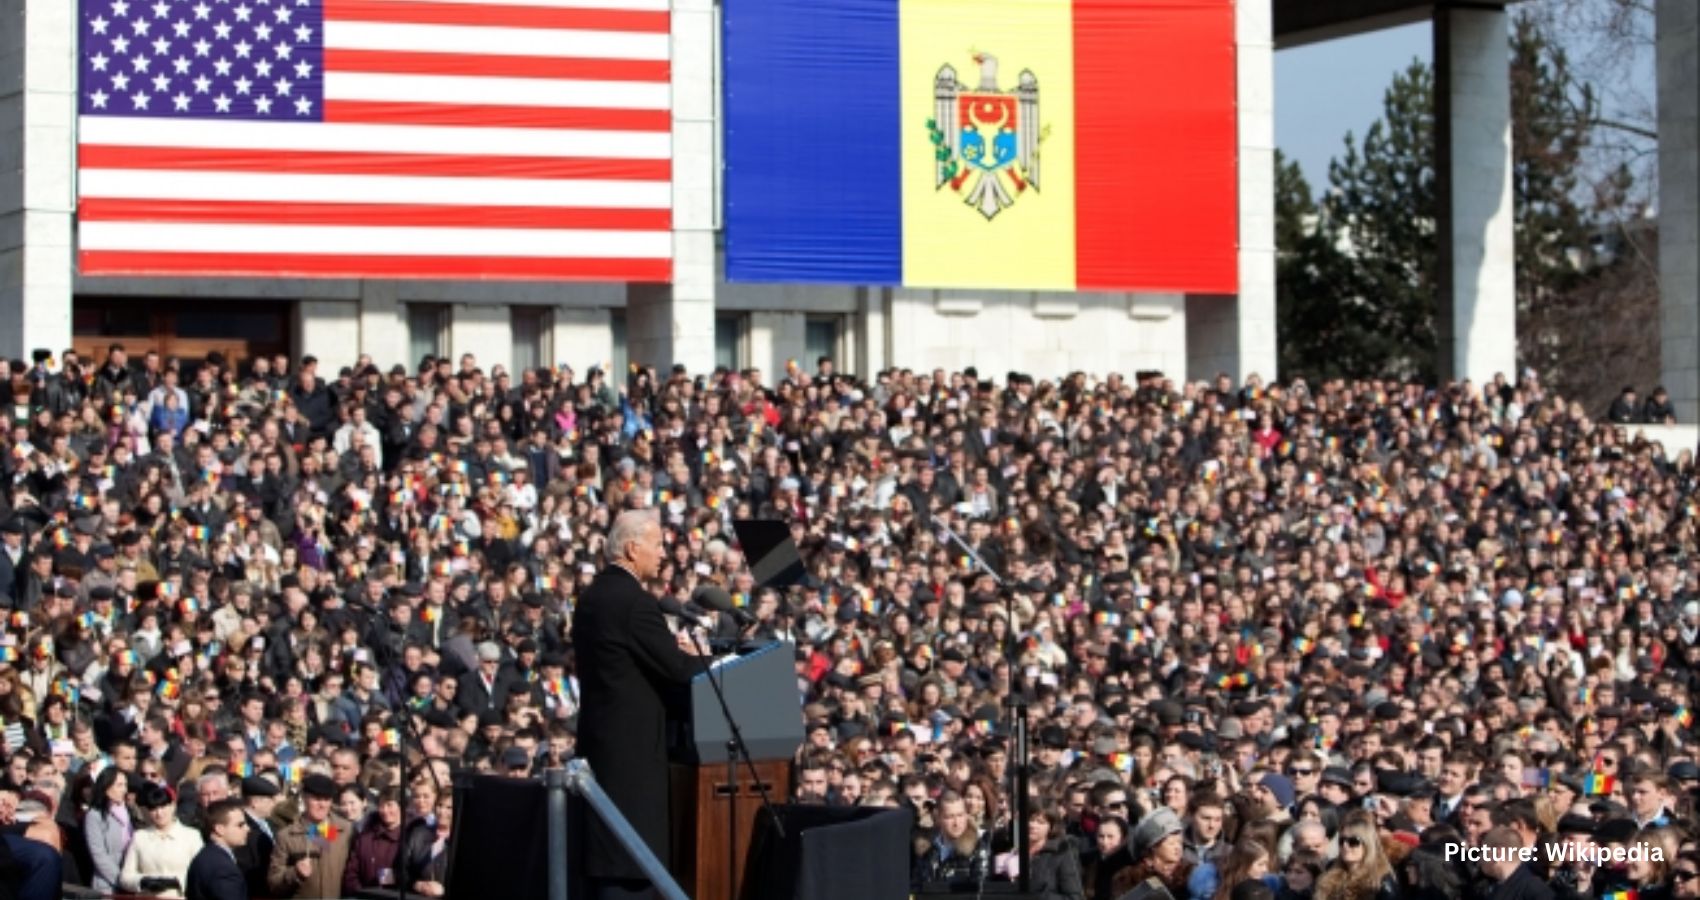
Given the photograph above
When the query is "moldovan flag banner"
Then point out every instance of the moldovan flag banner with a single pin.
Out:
(473, 139)
(999, 144)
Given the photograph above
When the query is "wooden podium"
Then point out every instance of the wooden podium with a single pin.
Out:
(761, 693)
(700, 797)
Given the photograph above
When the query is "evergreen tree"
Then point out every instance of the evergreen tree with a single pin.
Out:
(1358, 274)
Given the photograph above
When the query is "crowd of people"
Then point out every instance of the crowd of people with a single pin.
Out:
(1273, 639)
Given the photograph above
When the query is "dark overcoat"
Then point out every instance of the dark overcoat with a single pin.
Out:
(628, 666)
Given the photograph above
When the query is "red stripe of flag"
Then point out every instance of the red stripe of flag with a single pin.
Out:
(237, 212)
(409, 62)
(412, 12)
(1161, 215)
(384, 112)
(324, 265)
(337, 162)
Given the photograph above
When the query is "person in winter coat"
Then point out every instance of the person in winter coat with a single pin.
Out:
(310, 855)
(959, 853)
(108, 827)
(428, 850)
(160, 854)
(1362, 872)
(1053, 866)
(1158, 848)
(372, 858)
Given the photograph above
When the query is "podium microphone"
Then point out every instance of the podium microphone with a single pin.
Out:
(713, 597)
(677, 610)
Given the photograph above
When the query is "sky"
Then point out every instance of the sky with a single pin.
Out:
(1326, 89)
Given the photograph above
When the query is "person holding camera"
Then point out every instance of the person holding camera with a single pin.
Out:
(158, 860)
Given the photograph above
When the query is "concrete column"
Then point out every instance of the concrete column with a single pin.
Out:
(776, 338)
(1478, 277)
(37, 106)
(669, 324)
(383, 325)
(484, 330)
(871, 324)
(1679, 203)
(330, 330)
(583, 338)
(1160, 334)
(1240, 337)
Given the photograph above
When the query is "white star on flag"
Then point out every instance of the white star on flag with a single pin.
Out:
(221, 103)
(99, 25)
(303, 106)
(98, 98)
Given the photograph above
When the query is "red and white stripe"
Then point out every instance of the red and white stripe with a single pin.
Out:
(520, 139)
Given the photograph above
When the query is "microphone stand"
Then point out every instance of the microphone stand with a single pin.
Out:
(402, 875)
(1016, 707)
(735, 750)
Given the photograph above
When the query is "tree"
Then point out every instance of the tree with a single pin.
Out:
(1363, 276)
(1358, 274)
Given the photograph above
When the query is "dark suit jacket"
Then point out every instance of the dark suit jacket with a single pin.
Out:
(473, 697)
(214, 876)
(627, 664)
(254, 857)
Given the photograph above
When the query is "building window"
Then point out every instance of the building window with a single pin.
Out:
(427, 326)
(532, 346)
(617, 331)
(728, 340)
(820, 338)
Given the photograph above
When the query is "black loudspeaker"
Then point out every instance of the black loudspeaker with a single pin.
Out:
(500, 843)
(830, 853)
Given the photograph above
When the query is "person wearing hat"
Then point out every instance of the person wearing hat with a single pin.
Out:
(254, 855)
(159, 856)
(626, 657)
(311, 854)
(1158, 848)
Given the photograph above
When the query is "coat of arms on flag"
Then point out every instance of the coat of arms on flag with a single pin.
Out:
(985, 137)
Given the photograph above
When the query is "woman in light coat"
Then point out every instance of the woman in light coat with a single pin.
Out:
(108, 827)
(161, 851)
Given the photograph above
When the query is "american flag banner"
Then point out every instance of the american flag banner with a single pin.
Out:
(475, 139)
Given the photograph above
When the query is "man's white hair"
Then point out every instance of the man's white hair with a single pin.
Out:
(629, 526)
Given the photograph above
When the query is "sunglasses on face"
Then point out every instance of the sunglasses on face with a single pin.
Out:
(1300, 772)
(1354, 843)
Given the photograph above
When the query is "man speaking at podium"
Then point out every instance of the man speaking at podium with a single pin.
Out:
(627, 660)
